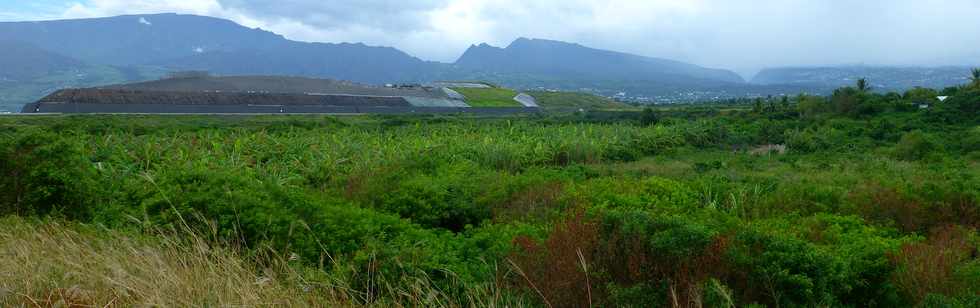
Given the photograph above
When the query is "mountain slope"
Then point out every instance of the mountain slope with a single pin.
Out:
(206, 43)
(138, 47)
(562, 60)
(28, 72)
(354, 62)
(139, 39)
(24, 61)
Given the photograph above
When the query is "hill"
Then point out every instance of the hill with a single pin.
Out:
(532, 63)
(560, 60)
(28, 72)
(143, 47)
(222, 46)
(574, 100)
(24, 61)
(273, 84)
(489, 97)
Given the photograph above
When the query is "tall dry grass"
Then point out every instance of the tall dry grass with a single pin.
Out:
(54, 264)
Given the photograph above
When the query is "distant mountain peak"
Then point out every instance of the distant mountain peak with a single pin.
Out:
(559, 60)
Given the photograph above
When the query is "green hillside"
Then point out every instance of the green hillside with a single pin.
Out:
(576, 100)
(489, 97)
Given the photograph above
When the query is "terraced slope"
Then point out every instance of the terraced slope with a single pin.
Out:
(276, 84)
(575, 100)
(489, 97)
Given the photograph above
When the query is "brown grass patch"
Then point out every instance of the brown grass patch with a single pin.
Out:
(536, 201)
(928, 267)
(558, 268)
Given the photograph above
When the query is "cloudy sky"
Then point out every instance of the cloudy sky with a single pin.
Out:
(743, 35)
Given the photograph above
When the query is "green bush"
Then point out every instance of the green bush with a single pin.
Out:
(916, 145)
(445, 199)
(655, 194)
(43, 173)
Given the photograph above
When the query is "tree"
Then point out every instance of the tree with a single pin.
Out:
(757, 107)
(920, 95)
(916, 145)
(975, 78)
(862, 85)
(810, 106)
(784, 102)
(649, 117)
(846, 101)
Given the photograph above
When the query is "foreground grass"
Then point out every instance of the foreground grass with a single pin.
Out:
(52, 264)
(60, 264)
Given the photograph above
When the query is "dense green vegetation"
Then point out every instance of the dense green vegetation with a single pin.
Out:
(858, 199)
(549, 99)
(489, 97)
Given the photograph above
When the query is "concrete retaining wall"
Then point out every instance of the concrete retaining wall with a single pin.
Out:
(260, 109)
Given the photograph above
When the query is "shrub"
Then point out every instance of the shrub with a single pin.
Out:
(42, 173)
(916, 145)
(784, 271)
(672, 255)
(815, 140)
(962, 107)
(929, 268)
(649, 117)
(557, 269)
(654, 194)
(238, 207)
(445, 199)
(910, 213)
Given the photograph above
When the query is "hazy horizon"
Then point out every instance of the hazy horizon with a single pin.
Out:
(743, 36)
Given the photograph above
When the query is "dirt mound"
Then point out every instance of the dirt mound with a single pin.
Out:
(275, 84)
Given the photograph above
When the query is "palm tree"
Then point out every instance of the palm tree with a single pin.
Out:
(862, 85)
(976, 77)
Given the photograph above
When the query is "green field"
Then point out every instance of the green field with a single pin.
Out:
(853, 200)
(575, 100)
(489, 97)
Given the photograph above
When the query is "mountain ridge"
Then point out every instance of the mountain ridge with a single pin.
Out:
(132, 48)
(557, 57)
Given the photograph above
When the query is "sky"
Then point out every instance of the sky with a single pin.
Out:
(741, 35)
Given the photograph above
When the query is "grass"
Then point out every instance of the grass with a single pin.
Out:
(57, 264)
(492, 97)
(47, 264)
(577, 100)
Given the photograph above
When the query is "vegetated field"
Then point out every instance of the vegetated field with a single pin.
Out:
(489, 97)
(575, 100)
(874, 203)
